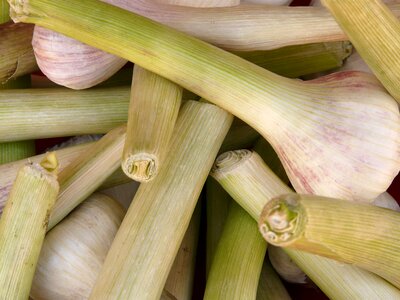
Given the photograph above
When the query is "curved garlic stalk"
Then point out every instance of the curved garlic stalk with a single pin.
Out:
(78, 66)
(74, 251)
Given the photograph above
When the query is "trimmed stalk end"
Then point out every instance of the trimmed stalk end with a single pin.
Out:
(141, 167)
(19, 10)
(281, 220)
(50, 163)
(229, 160)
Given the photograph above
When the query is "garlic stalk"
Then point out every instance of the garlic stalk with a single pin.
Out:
(324, 139)
(251, 183)
(23, 226)
(238, 259)
(270, 286)
(69, 112)
(60, 57)
(86, 173)
(16, 53)
(285, 266)
(74, 251)
(375, 33)
(14, 150)
(153, 109)
(356, 233)
(137, 266)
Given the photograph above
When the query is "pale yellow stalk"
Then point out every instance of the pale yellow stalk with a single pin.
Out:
(375, 32)
(74, 251)
(320, 120)
(69, 112)
(153, 110)
(251, 183)
(360, 234)
(23, 226)
(86, 173)
(137, 266)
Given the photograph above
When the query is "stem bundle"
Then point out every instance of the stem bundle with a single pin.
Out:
(137, 266)
(333, 109)
(251, 183)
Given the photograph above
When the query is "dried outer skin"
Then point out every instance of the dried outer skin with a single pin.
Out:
(16, 53)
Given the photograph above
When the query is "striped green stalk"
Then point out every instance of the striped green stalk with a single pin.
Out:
(86, 173)
(137, 266)
(360, 234)
(375, 32)
(217, 205)
(181, 276)
(339, 102)
(237, 263)
(270, 286)
(69, 112)
(251, 183)
(16, 53)
(14, 150)
(23, 226)
(153, 110)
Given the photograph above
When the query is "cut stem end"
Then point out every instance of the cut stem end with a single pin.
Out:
(280, 220)
(140, 167)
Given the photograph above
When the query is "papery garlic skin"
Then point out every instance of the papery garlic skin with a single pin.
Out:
(61, 63)
(74, 251)
(352, 126)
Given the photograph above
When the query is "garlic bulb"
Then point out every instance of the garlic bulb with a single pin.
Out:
(74, 251)
(63, 64)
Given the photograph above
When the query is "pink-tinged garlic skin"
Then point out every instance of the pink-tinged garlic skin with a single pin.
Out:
(343, 141)
(71, 63)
